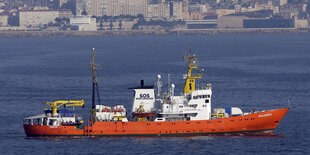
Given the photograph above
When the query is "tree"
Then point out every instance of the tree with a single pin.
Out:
(84, 12)
(120, 24)
(116, 17)
(71, 5)
(122, 16)
(111, 24)
(140, 16)
(101, 25)
(58, 20)
(66, 20)
(105, 18)
(50, 24)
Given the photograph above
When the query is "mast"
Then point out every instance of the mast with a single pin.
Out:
(192, 64)
(95, 89)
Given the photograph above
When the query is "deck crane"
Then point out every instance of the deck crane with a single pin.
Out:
(66, 103)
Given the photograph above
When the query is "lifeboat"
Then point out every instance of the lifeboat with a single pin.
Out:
(118, 110)
(106, 110)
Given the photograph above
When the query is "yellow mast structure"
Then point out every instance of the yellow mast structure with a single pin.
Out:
(56, 104)
(192, 64)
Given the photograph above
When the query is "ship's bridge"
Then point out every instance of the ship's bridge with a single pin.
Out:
(203, 94)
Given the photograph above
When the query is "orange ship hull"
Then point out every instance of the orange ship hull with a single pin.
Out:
(258, 123)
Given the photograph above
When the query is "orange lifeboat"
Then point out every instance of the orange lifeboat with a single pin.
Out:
(118, 110)
(106, 110)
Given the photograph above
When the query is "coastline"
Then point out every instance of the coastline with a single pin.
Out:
(105, 33)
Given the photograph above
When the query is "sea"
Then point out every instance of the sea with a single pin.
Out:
(250, 71)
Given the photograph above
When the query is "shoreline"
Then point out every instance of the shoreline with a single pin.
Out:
(173, 32)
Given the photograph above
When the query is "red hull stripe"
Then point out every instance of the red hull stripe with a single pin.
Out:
(251, 132)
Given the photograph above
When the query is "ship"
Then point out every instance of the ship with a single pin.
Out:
(154, 113)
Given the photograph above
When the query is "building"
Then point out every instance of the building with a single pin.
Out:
(37, 18)
(268, 23)
(230, 22)
(111, 7)
(3, 20)
(65, 14)
(83, 23)
(94, 7)
(185, 11)
(301, 23)
(196, 16)
(117, 25)
(61, 2)
(176, 10)
(54, 4)
(80, 7)
(276, 10)
(158, 11)
(279, 2)
(198, 8)
(222, 12)
(117, 7)
(201, 24)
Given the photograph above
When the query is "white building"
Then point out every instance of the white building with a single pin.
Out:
(198, 8)
(112, 7)
(158, 11)
(83, 23)
(4, 20)
(177, 11)
(37, 18)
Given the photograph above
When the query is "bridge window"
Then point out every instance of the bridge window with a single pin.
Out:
(201, 96)
(45, 121)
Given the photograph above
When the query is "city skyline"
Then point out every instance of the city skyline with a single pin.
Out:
(61, 15)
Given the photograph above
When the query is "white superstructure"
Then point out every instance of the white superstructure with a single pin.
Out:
(144, 98)
(194, 106)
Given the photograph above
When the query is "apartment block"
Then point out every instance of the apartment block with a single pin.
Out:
(112, 7)
(158, 11)
(37, 18)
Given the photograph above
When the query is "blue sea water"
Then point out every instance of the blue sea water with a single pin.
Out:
(248, 71)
